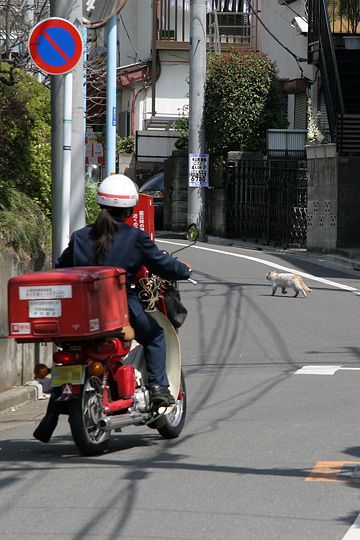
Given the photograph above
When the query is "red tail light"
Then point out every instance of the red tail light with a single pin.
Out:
(112, 347)
(65, 357)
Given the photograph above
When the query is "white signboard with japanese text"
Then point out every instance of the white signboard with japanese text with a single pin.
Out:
(198, 170)
(44, 308)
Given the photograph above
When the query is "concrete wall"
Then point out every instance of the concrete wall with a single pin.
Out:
(176, 182)
(216, 201)
(322, 211)
(175, 204)
(349, 202)
(16, 361)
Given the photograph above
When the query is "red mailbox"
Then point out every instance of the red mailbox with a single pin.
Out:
(67, 304)
(143, 215)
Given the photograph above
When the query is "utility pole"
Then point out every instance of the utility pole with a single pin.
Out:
(196, 195)
(71, 10)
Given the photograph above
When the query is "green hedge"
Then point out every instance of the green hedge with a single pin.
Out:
(243, 100)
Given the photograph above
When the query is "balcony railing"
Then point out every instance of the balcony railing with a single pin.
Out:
(235, 28)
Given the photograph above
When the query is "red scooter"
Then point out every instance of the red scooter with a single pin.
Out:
(98, 375)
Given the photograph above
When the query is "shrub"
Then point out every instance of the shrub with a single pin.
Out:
(125, 145)
(91, 206)
(23, 226)
(243, 100)
(182, 126)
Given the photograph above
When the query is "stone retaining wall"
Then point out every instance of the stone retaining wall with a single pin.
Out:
(16, 361)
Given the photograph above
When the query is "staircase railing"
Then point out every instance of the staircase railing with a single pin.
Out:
(322, 52)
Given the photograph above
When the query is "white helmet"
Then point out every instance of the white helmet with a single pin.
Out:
(117, 190)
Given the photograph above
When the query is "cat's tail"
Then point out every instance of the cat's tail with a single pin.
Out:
(304, 286)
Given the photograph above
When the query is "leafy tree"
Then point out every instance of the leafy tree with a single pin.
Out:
(17, 17)
(25, 145)
(242, 100)
(350, 9)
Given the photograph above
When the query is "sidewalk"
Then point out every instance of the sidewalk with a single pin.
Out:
(16, 396)
(350, 258)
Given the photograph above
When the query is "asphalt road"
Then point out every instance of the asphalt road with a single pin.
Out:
(266, 453)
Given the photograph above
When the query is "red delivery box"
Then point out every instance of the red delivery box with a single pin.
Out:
(143, 215)
(67, 304)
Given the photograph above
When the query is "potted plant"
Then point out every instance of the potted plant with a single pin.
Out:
(125, 147)
(182, 127)
(350, 10)
(317, 145)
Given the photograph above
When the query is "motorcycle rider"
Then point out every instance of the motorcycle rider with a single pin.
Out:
(111, 242)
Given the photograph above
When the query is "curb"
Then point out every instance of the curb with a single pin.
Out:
(16, 396)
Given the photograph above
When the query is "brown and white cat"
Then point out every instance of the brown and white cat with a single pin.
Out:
(283, 280)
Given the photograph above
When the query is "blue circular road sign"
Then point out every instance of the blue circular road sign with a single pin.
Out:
(55, 46)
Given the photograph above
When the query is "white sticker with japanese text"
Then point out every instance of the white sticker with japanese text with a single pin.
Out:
(44, 308)
(45, 292)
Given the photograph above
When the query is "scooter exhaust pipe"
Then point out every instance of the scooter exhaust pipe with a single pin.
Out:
(107, 423)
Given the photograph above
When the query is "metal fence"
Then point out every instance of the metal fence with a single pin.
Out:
(267, 201)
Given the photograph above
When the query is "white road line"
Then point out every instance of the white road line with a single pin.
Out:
(318, 370)
(323, 370)
(269, 264)
(354, 531)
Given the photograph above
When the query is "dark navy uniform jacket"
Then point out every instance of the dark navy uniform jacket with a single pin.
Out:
(130, 249)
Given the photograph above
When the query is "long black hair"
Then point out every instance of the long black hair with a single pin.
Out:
(105, 227)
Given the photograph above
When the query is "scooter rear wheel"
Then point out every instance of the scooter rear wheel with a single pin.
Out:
(84, 415)
(173, 422)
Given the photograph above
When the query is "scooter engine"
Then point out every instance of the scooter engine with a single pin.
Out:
(142, 399)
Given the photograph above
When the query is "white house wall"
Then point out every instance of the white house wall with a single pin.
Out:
(135, 41)
(172, 88)
(277, 17)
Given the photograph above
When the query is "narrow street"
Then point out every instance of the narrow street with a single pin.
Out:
(271, 446)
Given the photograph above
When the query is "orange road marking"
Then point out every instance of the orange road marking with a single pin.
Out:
(334, 471)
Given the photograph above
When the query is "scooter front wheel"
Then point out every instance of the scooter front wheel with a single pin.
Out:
(173, 422)
(84, 415)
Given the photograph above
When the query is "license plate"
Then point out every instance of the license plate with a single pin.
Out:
(67, 375)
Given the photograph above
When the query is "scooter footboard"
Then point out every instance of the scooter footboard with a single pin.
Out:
(173, 354)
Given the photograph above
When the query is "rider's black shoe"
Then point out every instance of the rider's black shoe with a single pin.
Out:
(46, 428)
(160, 396)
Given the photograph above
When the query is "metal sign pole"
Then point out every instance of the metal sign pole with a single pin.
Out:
(66, 164)
(110, 160)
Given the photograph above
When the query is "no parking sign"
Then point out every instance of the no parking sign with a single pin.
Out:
(55, 46)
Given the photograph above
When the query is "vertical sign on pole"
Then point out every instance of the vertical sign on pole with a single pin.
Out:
(198, 170)
(56, 46)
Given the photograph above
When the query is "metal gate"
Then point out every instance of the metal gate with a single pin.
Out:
(266, 201)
